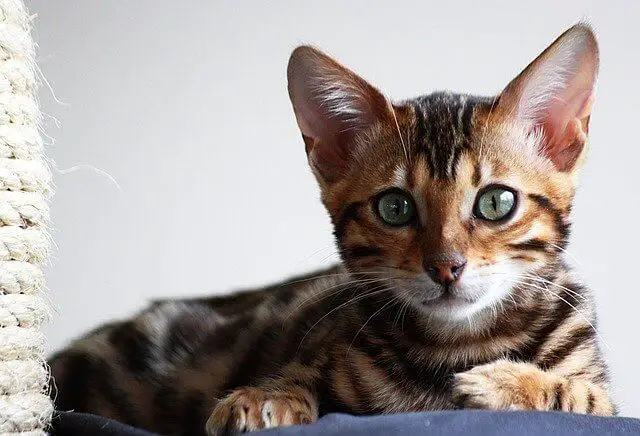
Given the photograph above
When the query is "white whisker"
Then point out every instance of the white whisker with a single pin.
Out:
(395, 119)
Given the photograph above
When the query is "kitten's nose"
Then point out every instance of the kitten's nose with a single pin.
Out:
(446, 270)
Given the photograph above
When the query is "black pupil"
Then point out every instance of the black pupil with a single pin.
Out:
(397, 207)
(494, 202)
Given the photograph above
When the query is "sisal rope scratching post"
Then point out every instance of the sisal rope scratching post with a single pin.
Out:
(25, 407)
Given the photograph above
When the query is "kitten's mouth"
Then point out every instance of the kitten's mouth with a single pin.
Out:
(448, 296)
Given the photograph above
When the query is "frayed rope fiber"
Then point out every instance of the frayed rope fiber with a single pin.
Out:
(25, 185)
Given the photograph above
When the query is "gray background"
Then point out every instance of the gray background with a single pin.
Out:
(185, 104)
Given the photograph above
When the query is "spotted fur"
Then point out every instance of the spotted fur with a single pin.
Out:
(376, 334)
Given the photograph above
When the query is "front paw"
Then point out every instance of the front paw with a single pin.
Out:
(250, 409)
(521, 386)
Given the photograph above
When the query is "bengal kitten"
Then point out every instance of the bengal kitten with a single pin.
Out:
(451, 214)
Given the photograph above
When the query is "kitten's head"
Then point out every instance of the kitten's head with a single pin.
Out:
(454, 198)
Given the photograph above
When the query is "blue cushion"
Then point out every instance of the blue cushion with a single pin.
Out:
(454, 423)
(466, 423)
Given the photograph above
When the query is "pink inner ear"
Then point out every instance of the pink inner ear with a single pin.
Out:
(565, 127)
(324, 136)
(330, 160)
(326, 140)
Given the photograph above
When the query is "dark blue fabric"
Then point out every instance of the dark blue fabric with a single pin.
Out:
(456, 423)
(466, 423)
(83, 424)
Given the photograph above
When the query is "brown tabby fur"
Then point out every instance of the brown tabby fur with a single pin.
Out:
(356, 338)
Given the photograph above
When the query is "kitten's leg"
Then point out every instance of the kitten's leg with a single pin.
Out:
(256, 408)
(523, 386)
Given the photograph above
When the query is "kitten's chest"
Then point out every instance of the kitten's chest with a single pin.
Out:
(395, 374)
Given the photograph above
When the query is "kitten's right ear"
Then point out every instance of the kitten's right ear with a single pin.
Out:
(332, 105)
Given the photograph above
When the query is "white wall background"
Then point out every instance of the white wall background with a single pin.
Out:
(185, 104)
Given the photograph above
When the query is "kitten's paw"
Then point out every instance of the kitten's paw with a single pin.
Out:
(520, 386)
(250, 409)
(505, 385)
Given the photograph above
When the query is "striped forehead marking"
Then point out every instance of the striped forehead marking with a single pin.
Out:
(443, 130)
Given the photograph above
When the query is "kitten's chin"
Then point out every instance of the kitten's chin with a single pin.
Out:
(463, 304)
(451, 308)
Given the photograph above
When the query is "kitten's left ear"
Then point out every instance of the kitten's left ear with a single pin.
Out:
(555, 93)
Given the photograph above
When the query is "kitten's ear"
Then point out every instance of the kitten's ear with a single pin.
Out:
(555, 93)
(332, 105)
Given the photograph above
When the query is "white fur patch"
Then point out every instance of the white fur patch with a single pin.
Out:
(399, 177)
(467, 203)
(535, 230)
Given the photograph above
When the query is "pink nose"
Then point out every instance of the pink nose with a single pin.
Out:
(447, 271)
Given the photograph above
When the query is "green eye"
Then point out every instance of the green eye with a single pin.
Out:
(495, 203)
(395, 208)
